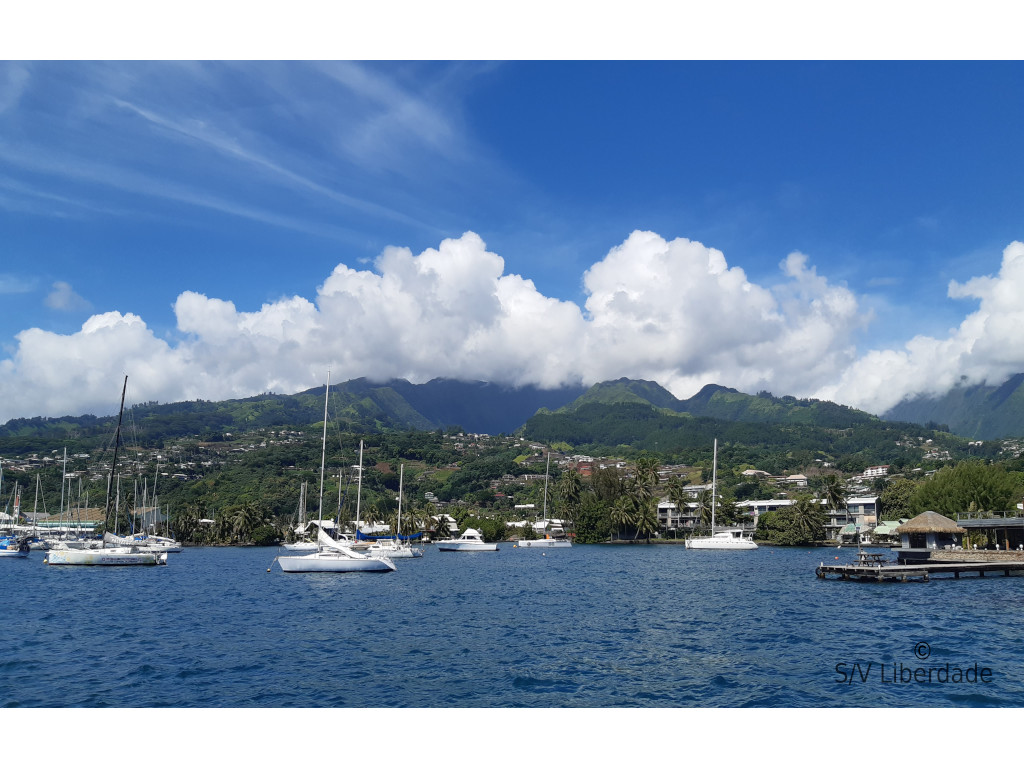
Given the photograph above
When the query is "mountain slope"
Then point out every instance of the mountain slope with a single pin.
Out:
(980, 412)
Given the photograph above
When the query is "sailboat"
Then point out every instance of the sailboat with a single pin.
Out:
(396, 547)
(13, 545)
(301, 545)
(727, 538)
(331, 556)
(107, 554)
(549, 541)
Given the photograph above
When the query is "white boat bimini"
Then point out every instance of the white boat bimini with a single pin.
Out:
(469, 541)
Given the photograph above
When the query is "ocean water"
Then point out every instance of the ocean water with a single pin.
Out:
(591, 626)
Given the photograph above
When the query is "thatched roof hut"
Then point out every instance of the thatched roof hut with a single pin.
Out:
(930, 530)
(930, 522)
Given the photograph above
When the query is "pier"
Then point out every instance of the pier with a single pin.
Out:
(923, 571)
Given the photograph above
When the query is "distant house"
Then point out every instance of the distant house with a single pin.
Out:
(880, 471)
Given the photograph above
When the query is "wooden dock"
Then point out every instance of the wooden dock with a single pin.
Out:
(923, 571)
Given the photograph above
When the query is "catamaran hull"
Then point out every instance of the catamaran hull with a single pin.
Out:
(544, 543)
(103, 557)
(325, 562)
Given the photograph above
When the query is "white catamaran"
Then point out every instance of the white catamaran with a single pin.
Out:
(332, 556)
(728, 538)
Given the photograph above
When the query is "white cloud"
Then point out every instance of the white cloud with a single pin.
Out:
(671, 311)
(63, 297)
(986, 347)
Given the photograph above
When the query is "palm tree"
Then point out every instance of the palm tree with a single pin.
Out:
(833, 493)
(704, 502)
(244, 521)
(621, 514)
(807, 519)
(645, 519)
(570, 491)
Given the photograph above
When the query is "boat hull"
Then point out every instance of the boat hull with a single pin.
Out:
(13, 553)
(721, 544)
(300, 546)
(466, 546)
(328, 562)
(103, 557)
(544, 543)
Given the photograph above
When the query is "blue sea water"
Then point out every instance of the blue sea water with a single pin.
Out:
(591, 626)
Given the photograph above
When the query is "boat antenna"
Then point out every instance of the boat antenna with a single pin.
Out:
(113, 464)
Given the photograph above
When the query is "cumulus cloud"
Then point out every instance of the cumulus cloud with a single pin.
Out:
(986, 347)
(673, 311)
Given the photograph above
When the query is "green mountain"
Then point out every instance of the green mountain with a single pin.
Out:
(358, 405)
(775, 434)
(725, 404)
(980, 412)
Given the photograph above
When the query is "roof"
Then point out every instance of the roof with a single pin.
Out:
(888, 527)
(930, 522)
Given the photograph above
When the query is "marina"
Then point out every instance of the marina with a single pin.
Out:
(867, 570)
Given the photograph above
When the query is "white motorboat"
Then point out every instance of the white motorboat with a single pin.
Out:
(730, 539)
(469, 541)
(332, 556)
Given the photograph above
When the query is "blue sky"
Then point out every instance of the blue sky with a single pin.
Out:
(833, 229)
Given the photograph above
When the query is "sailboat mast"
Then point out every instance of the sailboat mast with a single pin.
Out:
(714, 485)
(401, 475)
(546, 473)
(323, 449)
(113, 464)
(359, 486)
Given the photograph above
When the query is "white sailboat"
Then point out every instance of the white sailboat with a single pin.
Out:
(128, 554)
(728, 538)
(549, 541)
(304, 544)
(396, 547)
(13, 545)
(332, 556)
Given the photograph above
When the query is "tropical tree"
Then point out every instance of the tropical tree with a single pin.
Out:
(807, 519)
(896, 500)
(570, 492)
(645, 519)
(244, 520)
(621, 515)
(833, 493)
(705, 500)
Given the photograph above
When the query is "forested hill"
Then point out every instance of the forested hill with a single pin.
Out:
(358, 406)
(981, 412)
(726, 404)
(771, 433)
